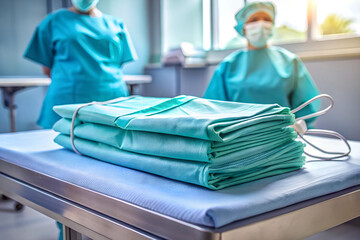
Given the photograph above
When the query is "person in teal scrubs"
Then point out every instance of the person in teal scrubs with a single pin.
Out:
(83, 51)
(261, 73)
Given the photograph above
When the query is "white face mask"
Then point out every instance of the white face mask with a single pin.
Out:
(257, 33)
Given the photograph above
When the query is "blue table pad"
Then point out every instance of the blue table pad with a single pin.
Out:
(37, 151)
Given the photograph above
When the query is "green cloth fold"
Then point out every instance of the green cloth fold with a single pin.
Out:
(185, 148)
(184, 116)
(213, 176)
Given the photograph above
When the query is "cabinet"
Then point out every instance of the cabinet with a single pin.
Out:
(170, 81)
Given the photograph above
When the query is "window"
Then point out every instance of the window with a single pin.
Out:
(228, 37)
(290, 24)
(181, 22)
(337, 19)
(300, 25)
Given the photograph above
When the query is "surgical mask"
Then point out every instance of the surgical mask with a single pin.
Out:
(302, 130)
(258, 33)
(84, 5)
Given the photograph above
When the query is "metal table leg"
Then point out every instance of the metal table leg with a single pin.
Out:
(12, 113)
(132, 88)
(8, 98)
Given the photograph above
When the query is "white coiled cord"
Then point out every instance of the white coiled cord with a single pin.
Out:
(301, 128)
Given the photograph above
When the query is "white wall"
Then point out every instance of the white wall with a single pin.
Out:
(18, 21)
(341, 80)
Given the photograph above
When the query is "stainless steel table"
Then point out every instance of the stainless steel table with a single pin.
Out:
(12, 85)
(102, 216)
(91, 213)
(135, 80)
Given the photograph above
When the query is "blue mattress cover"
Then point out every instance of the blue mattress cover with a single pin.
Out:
(36, 150)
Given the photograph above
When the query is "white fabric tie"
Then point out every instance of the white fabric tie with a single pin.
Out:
(85, 105)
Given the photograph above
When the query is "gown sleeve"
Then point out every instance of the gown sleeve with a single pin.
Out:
(305, 89)
(216, 89)
(129, 53)
(40, 48)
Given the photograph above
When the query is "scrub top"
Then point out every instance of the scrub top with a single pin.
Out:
(267, 75)
(85, 55)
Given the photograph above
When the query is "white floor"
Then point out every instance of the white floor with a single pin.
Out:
(26, 224)
(31, 225)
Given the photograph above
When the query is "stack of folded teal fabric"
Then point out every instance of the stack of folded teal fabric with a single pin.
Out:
(211, 143)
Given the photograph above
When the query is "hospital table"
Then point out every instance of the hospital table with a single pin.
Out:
(11, 85)
(135, 80)
(105, 201)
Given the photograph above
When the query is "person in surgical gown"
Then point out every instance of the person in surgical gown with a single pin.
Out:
(262, 73)
(83, 51)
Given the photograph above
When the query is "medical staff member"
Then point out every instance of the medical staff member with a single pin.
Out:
(262, 73)
(83, 51)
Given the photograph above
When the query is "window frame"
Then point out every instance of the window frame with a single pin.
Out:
(311, 49)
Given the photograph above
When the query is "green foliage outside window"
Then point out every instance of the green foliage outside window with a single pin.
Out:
(285, 33)
(335, 24)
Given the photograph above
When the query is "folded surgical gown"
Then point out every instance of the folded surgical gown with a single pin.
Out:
(211, 143)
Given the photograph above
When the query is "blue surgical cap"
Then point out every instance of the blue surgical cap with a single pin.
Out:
(250, 9)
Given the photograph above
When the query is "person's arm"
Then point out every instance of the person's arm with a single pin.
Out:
(47, 71)
(217, 88)
(129, 53)
(40, 48)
